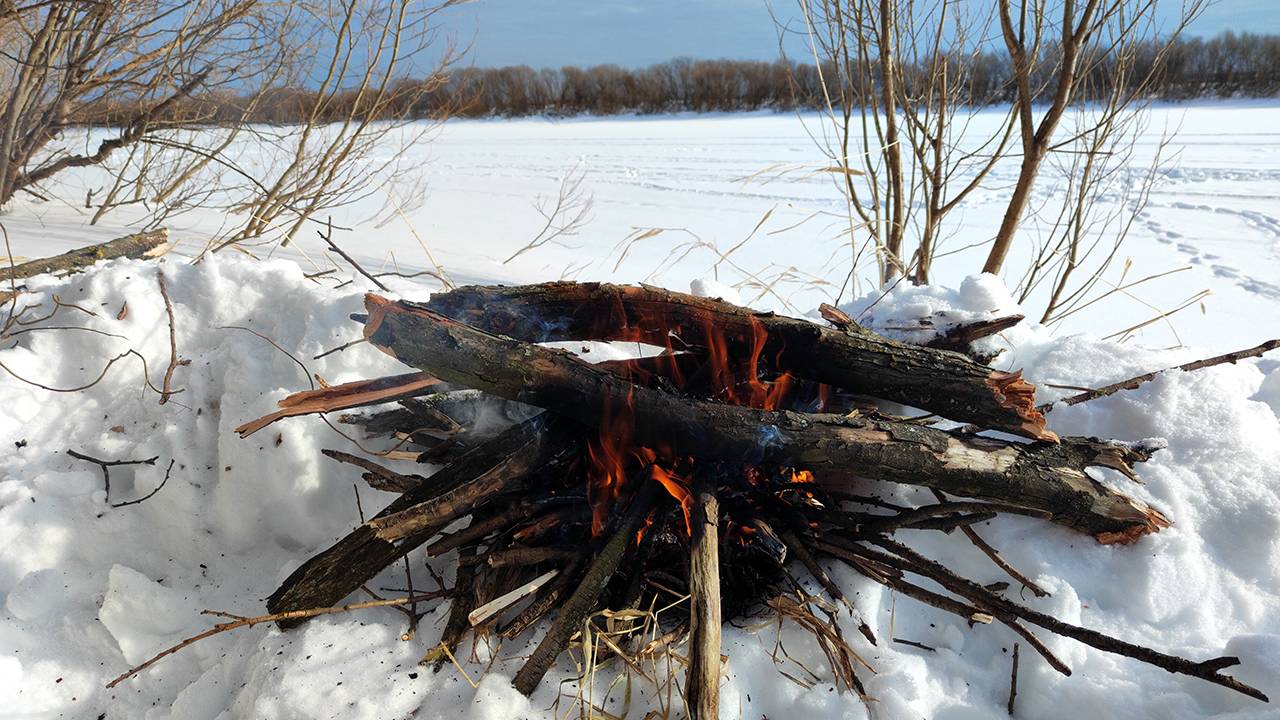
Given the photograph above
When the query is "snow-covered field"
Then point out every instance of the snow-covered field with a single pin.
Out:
(87, 589)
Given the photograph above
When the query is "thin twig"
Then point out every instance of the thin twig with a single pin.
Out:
(153, 492)
(995, 556)
(107, 464)
(340, 348)
(327, 236)
(914, 644)
(274, 617)
(1134, 382)
(1013, 679)
(173, 342)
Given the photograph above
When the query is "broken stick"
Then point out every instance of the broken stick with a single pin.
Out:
(702, 688)
(335, 573)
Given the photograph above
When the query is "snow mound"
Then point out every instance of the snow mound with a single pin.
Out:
(919, 313)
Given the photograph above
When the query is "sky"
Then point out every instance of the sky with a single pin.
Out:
(635, 33)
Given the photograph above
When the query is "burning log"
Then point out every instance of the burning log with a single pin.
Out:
(1044, 476)
(946, 383)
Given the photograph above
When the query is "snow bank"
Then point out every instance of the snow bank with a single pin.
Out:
(87, 589)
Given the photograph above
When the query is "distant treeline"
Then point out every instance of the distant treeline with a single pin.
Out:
(1230, 65)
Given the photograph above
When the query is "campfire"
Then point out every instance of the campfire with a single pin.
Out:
(710, 472)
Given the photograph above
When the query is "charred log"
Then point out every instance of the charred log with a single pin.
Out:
(946, 383)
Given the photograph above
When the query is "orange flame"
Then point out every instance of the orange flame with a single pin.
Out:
(732, 380)
(678, 490)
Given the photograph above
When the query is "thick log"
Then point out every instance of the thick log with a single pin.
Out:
(1044, 476)
(138, 245)
(338, 571)
(946, 383)
(702, 688)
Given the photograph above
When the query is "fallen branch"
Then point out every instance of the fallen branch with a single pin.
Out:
(138, 245)
(151, 494)
(106, 466)
(1134, 382)
(1208, 670)
(242, 622)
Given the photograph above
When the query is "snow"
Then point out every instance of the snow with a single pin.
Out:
(87, 589)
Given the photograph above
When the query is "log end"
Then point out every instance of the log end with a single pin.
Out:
(1015, 394)
(1148, 521)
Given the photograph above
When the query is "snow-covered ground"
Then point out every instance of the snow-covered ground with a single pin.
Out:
(87, 589)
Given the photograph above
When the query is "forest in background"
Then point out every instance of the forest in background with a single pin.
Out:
(1231, 65)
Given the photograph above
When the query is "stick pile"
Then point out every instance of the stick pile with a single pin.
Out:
(708, 471)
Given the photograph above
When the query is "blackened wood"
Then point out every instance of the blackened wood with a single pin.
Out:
(946, 383)
(383, 478)
(1044, 476)
(583, 600)
(460, 606)
(960, 337)
(341, 569)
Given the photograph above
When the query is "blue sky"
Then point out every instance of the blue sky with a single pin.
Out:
(632, 33)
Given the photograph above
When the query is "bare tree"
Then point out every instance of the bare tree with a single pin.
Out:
(1052, 45)
(182, 87)
(358, 122)
(128, 64)
(903, 82)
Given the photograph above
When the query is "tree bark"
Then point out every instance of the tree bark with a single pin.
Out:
(135, 246)
(340, 570)
(858, 360)
(702, 691)
(1042, 476)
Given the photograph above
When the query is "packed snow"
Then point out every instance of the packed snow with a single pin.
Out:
(88, 589)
